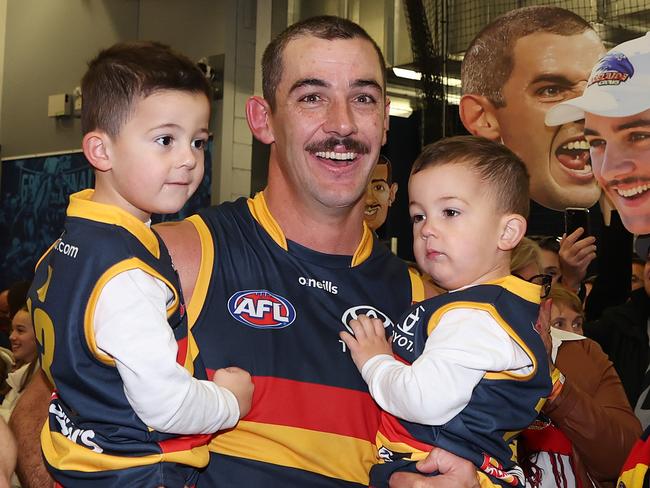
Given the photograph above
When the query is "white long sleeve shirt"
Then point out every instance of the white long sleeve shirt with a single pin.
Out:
(130, 325)
(464, 345)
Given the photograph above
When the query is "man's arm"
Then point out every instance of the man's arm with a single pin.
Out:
(8, 458)
(454, 472)
(26, 422)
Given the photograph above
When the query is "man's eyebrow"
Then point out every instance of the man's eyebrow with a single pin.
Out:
(590, 132)
(633, 124)
(308, 82)
(364, 83)
(377, 180)
(558, 79)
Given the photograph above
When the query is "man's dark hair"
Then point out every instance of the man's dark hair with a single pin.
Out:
(125, 72)
(503, 172)
(489, 59)
(325, 27)
(384, 161)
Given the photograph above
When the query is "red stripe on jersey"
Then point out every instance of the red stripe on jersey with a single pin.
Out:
(640, 454)
(313, 406)
(394, 431)
(182, 351)
(184, 443)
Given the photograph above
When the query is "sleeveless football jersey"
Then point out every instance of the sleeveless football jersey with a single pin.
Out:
(93, 436)
(502, 403)
(276, 309)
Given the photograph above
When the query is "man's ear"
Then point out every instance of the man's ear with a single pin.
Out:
(478, 115)
(513, 228)
(257, 115)
(95, 145)
(392, 193)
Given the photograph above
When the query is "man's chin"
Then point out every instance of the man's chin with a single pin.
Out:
(558, 198)
(636, 224)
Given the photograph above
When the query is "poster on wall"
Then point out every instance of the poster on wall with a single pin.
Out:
(34, 193)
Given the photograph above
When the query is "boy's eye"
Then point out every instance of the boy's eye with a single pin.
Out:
(198, 144)
(417, 218)
(164, 140)
(450, 212)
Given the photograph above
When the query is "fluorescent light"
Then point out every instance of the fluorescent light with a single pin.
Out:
(416, 75)
(407, 73)
(400, 107)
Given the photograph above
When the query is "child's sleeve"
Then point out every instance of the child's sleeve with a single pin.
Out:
(438, 385)
(131, 326)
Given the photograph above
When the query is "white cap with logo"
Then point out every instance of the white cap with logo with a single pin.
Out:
(619, 85)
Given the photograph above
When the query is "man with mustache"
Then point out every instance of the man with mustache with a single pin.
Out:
(273, 280)
(518, 67)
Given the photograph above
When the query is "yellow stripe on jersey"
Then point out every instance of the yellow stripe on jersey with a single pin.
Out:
(66, 455)
(417, 286)
(82, 206)
(633, 478)
(523, 289)
(261, 213)
(299, 448)
(110, 273)
(364, 249)
(206, 268)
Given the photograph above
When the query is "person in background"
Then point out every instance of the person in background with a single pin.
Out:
(638, 265)
(589, 425)
(566, 311)
(26, 363)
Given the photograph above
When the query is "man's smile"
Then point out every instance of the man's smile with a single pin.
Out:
(573, 155)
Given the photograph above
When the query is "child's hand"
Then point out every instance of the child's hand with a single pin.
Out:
(369, 340)
(239, 383)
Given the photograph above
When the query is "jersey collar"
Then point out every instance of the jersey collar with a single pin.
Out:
(83, 207)
(262, 215)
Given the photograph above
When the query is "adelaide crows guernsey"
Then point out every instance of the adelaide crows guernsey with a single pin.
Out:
(502, 403)
(276, 309)
(93, 436)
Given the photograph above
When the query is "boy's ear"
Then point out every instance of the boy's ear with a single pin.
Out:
(95, 147)
(478, 115)
(513, 228)
(258, 111)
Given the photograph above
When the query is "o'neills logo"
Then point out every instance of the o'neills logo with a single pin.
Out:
(613, 69)
(320, 284)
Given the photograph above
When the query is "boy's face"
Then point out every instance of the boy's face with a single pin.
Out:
(157, 158)
(456, 227)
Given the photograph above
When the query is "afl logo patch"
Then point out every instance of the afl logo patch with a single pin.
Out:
(261, 309)
(354, 312)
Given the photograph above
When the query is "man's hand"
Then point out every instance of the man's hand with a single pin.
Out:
(575, 255)
(455, 472)
(239, 383)
(369, 340)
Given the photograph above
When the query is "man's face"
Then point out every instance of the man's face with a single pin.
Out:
(330, 120)
(620, 154)
(549, 69)
(379, 197)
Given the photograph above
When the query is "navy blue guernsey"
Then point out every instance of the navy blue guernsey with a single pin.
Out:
(93, 436)
(275, 308)
(502, 403)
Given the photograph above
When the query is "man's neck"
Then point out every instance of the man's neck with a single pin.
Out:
(330, 231)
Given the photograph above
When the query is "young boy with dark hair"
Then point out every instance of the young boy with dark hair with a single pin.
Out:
(472, 371)
(106, 300)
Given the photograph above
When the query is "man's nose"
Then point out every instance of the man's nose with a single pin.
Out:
(618, 162)
(340, 119)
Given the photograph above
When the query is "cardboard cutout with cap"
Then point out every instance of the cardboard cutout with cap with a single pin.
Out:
(616, 108)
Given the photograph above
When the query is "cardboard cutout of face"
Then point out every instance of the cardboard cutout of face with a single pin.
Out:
(380, 195)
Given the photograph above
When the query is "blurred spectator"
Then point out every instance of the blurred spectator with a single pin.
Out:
(566, 310)
(5, 321)
(549, 256)
(638, 265)
(622, 332)
(587, 426)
